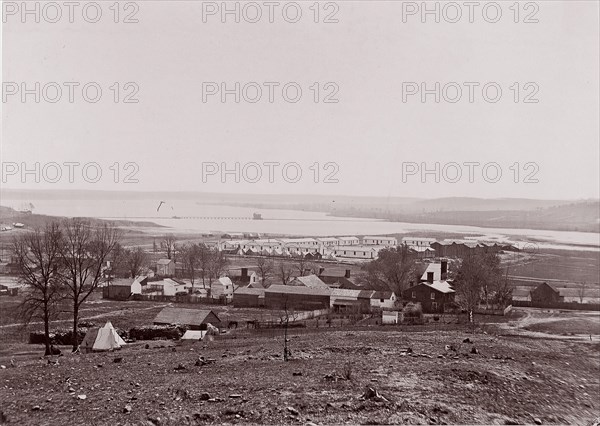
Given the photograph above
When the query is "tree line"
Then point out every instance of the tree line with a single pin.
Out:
(61, 265)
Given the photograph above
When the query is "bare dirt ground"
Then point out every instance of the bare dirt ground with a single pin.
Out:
(510, 380)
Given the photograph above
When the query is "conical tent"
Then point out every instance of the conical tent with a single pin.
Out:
(102, 339)
(118, 338)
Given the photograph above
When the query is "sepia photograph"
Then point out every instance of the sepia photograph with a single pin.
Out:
(310, 212)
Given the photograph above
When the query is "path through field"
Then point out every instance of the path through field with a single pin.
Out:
(556, 324)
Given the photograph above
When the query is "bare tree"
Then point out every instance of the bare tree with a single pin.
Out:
(131, 261)
(84, 253)
(301, 264)
(265, 267)
(394, 266)
(217, 265)
(190, 259)
(37, 255)
(476, 275)
(502, 289)
(285, 273)
(581, 291)
(168, 245)
(204, 259)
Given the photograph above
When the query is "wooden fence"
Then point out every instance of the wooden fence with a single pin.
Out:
(558, 305)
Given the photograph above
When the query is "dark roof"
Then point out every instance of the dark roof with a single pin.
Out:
(310, 281)
(184, 316)
(381, 295)
(340, 281)
(290, 289)
(249, 291)
(257, 284)
(365, 294)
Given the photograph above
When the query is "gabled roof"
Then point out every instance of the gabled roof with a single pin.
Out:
(121, 282)
(382, 295)
(436, 268)
(341, 292)
(164, 261)
(339, 281)
(256, 285)
(224, 281)
(249, 292)
(441, 286)
(290, 289)
(311, 281)
(366, 294)
(378, 237)
(184, 316)
(431, 240)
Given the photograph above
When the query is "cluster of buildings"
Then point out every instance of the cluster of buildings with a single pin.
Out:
(328, 248)
(312, 293)
(123, 289)
(365, 248)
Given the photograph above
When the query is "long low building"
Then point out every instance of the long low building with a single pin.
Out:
(296, 297)
(357, 252)
(249, 297)
(380, 241)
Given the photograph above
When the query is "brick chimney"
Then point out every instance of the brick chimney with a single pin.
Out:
(321, 270)
(347, 274)
(444, 269)
(430, 277)
(244, 272)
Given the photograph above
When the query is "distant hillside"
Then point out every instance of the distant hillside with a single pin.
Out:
(581, 216)
(564, 215)
(8, 216)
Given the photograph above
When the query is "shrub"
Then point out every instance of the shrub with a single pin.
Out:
(413, 310)
(57, 337)
(413, 313)
(161, 332)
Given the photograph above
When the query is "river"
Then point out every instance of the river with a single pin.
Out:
(191, 216)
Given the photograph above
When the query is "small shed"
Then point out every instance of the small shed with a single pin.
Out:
(195, 319)
(390, 317)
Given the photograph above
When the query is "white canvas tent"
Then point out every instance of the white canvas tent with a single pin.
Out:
(194, 335)
(102, 339)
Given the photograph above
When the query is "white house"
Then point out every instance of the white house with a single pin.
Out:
(263, 244)
(380, 241)
(222, 288)
(349, 241)
(328, 241)
(165, 267)
(383, 299)
(166, 287)
(233, 244)
(300, 242)
(356, 252)
(413, 242)
(138, 283)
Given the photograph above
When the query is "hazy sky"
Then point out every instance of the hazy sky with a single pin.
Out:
(369, 133)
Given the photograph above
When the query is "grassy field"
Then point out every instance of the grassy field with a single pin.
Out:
(565, 265)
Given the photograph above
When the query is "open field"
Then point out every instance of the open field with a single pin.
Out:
(564, 265)
(512, 377)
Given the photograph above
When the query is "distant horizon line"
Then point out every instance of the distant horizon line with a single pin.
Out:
(195, 192)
